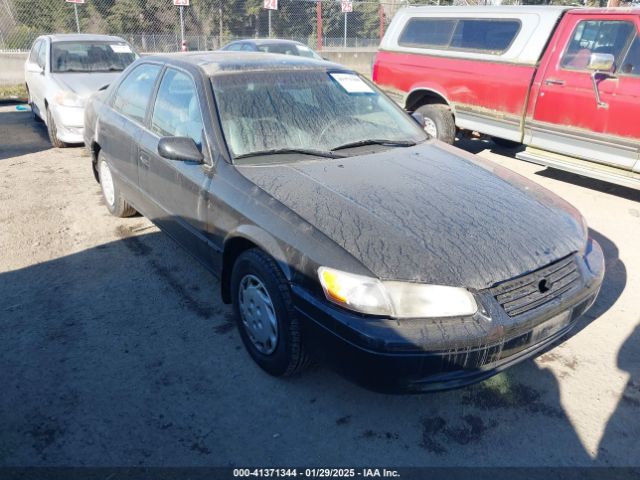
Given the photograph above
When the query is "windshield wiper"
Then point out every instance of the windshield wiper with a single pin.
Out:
(303, 151)
(391, 143)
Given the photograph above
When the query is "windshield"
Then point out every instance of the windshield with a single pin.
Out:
(90, 56)
(308, 110)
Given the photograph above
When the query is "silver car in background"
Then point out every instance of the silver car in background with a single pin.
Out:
(62, 71)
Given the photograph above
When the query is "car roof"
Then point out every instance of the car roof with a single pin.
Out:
(217, 62)
(268, 41)
(82, 37)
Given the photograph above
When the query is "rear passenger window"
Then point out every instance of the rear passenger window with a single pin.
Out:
(595, 36)
(134, 92)
(492, 36)
(631, 63)
(177, 110)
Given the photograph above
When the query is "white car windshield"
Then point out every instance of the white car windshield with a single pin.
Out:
(330, 113)
(90, 56)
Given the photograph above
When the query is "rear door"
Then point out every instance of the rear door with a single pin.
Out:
(35, 80)
(123, 123)
(567, 117)
(177, 189)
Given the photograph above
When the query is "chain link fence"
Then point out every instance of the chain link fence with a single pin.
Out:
(155, 25)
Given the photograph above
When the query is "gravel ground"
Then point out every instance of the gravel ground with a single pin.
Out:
(116, 350)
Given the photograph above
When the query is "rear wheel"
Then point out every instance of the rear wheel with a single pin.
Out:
(439, 122)
(268, 324)
(116, 204)
(53, 131)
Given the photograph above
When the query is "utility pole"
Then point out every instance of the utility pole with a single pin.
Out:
(75, 9)
(319, 24)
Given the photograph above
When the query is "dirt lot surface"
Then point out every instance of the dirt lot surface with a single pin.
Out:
(116, 350)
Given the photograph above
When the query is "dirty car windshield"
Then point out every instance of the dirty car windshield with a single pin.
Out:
(90, 56)
(310, 110)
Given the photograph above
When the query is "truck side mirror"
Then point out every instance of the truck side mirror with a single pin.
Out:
(34, 68)
(600, 64)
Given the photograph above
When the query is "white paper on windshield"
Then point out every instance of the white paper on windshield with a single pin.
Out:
(351, 83)
(121, 48)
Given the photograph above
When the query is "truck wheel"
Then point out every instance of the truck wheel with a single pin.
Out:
(503, 142)
(263, 308)
(439, 122)
(116, 204)
(53, 132)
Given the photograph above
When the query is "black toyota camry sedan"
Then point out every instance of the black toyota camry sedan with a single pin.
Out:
(338, 228)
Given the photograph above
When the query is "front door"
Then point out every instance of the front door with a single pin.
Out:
(177, 188)
(567, 117)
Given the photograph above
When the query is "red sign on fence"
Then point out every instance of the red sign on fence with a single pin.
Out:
(181, 3)
(270, 4)
(347, 7)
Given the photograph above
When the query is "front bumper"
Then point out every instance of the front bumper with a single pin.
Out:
(69, 123)
(420, 355)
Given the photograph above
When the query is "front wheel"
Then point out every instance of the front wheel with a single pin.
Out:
(439, 122)
(263, 307)
(53, 131)
(116, 204)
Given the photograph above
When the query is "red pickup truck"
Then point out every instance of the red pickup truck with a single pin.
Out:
(565, 82)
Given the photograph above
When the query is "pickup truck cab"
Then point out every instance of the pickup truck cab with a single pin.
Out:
(565, 82)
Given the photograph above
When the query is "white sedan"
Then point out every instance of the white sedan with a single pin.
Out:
(62, 71)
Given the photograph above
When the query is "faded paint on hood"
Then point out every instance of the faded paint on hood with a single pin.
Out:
(84, 84)
(429, 213)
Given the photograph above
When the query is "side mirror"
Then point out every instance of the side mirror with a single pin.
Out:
(601, 62)
(34, 68)
(601, 65)
(180, 148)
(419, 118)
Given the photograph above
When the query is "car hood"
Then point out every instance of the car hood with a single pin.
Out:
(84, 84)
(429, 213)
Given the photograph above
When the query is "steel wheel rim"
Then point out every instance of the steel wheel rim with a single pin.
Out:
(106, 181)
(258, 314)
(430, 127)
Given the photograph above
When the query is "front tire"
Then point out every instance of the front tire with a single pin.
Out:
(439, 122)
(113, 199)
(264, 312)
(53, 131)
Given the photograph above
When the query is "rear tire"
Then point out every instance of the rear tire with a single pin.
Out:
(439, 122)
(113, 199)
(263, 308)
(53, 132)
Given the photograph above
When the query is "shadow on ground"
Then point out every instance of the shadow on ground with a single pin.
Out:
(123, 354)
(20, 134)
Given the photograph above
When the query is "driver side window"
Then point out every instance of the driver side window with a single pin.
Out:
(177, 109)
(596, 36)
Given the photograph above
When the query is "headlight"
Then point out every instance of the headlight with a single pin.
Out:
(68, 99)
(395, 299)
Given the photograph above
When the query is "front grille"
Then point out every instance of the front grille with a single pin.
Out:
(535, 289)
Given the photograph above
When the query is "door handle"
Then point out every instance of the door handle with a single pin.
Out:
(553, 81)
(144, 159)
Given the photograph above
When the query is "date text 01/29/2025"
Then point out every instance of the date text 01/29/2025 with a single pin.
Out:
(315, 472)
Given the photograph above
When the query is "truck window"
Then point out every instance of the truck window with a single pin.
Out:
(631, 62)
(596, 36)
(482, 35)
